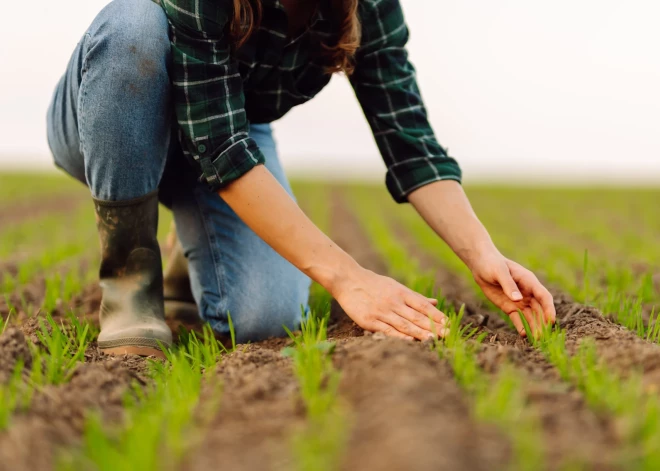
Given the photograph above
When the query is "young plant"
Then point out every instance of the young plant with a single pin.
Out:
(64, 348)
(604, 390)
(204, 353)
(319, 446)
(12, 396)
(159, 424)
(164, 421)
(499, 400)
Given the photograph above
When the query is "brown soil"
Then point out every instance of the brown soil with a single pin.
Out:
(620, 349)
(259, 410)
(408, 412)
(562, 411)
(56, 415)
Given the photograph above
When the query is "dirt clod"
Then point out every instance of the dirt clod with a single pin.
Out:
(13, 348)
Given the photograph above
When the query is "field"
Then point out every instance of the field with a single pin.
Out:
(584, 395)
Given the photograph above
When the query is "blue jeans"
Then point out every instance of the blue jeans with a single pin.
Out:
(110, 125)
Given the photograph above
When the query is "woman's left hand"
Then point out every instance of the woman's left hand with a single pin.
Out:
(514, 289)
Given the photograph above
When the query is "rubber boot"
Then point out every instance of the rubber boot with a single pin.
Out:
(132, 315)
(179, 302)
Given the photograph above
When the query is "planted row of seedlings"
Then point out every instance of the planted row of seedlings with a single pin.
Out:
(161, 421)
(607, 390)
(636, 407)
(29, 367)
(600, 246)
(612, 286)
(320, 444)
(497, 399)
(596, 429)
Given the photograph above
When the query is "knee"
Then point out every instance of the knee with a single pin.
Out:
(260, 315)
(134, 39)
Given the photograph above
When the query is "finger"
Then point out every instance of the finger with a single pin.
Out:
(404, 326)
(508, 285)
(390, 331)
(538, 312)
(543, 296)
(532, 285)
(433, 301)
(531, 320)
(422, 305)
(420, 320)
(517, 323)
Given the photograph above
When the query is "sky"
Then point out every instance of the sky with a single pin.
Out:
(545, 92)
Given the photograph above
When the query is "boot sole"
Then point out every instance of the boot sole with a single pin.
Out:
(132, 350)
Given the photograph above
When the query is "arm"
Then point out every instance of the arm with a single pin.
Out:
(419, 169)
(208, 92)
(512, 288)
(209, 104)
(374, 302)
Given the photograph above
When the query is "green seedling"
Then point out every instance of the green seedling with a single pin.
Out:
(319, 446)
(499, 400)
(12, 396)
(607, 392)
(165, 420)
(205, 352)
(159, 426)
(64, 349)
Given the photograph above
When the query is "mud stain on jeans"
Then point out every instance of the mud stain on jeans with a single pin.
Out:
(147, 68)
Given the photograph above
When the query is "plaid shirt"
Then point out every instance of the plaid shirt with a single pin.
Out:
(218, 92)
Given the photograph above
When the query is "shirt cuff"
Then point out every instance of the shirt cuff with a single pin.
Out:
(405, 177)
(231, 164)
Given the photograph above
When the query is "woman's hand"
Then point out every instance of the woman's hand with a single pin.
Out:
(380, 304)
(514, 289)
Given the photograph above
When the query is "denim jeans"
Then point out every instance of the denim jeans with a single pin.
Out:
(110, 125)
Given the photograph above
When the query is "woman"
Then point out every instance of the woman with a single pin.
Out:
(225, 69)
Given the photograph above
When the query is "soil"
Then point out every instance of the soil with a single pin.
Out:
(56, 415)
(622, 350)
(406, 410)
(564, 415)
(259, 410)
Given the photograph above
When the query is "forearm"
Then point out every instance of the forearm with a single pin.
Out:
(261, 202)
(446, 209)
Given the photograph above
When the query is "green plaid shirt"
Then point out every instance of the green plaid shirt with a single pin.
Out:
(218, 92)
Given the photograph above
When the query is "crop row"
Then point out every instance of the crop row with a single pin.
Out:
(568, 261)
(498, 400)
(605, 391)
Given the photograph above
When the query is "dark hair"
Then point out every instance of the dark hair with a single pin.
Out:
(340, 56)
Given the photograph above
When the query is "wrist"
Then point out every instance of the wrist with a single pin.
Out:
(477, 252)
(334, 275)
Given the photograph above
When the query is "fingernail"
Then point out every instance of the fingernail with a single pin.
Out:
(516, 296)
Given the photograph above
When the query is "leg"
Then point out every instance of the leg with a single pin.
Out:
(108, 126)
(109, 120)
(231, 268)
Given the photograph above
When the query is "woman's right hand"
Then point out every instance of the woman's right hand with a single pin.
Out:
(380, 304)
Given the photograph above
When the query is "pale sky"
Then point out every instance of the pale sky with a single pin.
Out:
(516, 89)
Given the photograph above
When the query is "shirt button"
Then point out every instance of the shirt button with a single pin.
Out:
(201, 148)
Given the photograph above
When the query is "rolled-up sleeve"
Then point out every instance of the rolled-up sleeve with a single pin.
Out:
(386, 87)
(208, 92)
